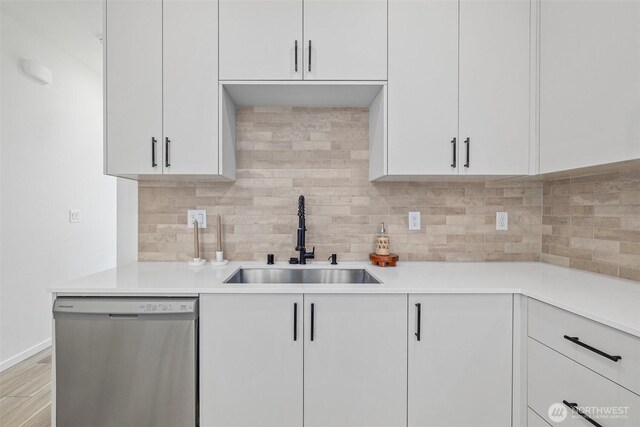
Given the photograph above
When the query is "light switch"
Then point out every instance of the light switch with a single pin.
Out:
(200, 215)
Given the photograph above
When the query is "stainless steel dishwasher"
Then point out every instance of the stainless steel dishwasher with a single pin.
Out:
(126, 362)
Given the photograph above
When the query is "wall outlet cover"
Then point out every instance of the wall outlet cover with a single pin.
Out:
(502, 221)
(200, 215)
(414, 220)
(74, 216)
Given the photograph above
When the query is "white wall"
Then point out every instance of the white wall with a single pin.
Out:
(50, 162)
(127, 221)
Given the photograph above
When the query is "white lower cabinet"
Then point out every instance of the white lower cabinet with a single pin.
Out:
(460, 360)
(355, 360)
(534, 420)
(251, 360)
(557, 383)
(332, 360)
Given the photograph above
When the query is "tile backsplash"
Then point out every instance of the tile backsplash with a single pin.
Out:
(588, 222)
(593, 222)
(323, 154)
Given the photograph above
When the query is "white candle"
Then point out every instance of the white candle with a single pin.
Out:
(219, 234)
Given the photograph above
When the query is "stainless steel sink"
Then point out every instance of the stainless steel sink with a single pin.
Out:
(302, 275)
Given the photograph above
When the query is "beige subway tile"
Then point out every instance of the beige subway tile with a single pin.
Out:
(630, 273)
(570, 252)
(630, 248)
(596, 267)
(617, 234)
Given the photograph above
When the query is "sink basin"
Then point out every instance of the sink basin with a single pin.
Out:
(302, 275)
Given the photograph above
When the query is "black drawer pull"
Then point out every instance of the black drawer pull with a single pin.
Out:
(419, 321)
(167, 141)
(574, 407)
(296, 65)
(577, 341)
(468, 143)
(313, 321)
(309, 55)
(153, 152)
(295, 321)
(454, 147)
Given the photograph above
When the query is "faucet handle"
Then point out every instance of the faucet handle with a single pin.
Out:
(312, 254)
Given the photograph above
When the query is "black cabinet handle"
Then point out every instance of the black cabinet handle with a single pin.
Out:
(454, 147)
(153, 152)
(313, 321)
(295, 321)
(167, 141)
(468, 143)
(577, 341)
(309, 55)
(574, 407)
(419, 320)
(296, 56)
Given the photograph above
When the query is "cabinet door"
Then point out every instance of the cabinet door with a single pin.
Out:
(258, 39)
(494, 87)
(423, 87)
(460, 365)
(190, 91)
(355, 368)
(589, 85)
(251, 360)
(133, 86)
(348, 39)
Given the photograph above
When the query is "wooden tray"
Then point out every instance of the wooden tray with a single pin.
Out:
(384, 260)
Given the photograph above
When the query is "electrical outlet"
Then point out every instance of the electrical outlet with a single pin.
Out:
(502, 221)
(414, 220)
(74, 216)
(200, 215)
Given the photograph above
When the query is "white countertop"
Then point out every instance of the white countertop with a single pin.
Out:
(614, 302)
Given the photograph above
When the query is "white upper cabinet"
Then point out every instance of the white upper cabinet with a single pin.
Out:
(345, 40)
(133, 87)
(258, 40)
(458, 89)
(355, 361)
(296, 39)
(423, 87)
(162, 103)
(494, 87)
(589, 83)
(460, 357)
(190, 87)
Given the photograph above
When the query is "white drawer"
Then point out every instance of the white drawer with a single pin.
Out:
(554, 378)
(534, 420)
(550, 325)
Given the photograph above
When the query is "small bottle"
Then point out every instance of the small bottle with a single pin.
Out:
(382, 242)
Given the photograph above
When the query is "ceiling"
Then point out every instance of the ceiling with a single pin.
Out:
(73, 25)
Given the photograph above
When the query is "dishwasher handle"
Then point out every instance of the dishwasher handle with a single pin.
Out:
(116, 316)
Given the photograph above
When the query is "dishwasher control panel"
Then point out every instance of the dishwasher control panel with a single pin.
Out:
(166, 307)
(125, 305)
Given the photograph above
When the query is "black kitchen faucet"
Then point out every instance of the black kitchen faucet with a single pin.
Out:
(300, 242)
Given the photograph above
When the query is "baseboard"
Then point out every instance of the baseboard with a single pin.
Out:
(6, 364)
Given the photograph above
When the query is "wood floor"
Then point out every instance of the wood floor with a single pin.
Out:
(25, 393)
